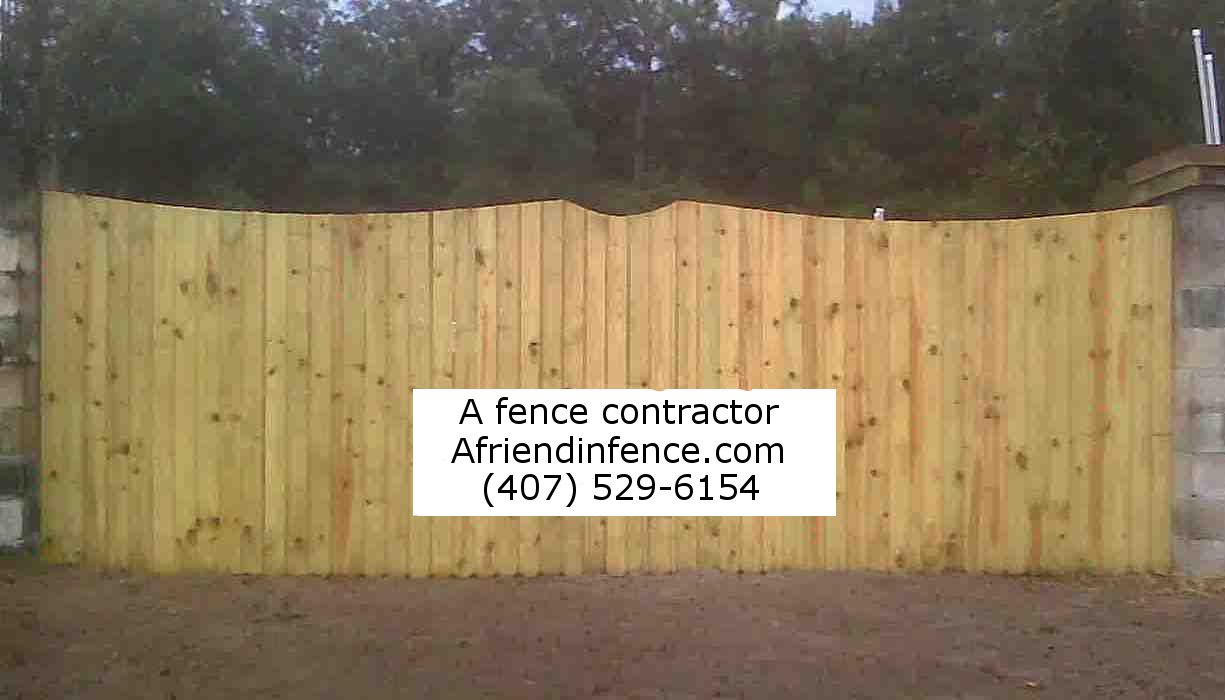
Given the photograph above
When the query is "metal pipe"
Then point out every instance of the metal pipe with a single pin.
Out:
(1215, 122)
(1197, 36)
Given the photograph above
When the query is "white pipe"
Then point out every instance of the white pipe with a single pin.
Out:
(1210, 69)
(1203, 84)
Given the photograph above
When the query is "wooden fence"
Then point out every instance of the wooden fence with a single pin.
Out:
(230, 391)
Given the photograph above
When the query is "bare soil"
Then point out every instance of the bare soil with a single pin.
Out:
(67, 633)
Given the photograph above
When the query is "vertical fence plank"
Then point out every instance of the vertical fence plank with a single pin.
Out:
(530, 360)
(140, 409)
(251, 426)
(798, 533)
(1080, 388)
(903, 342)
(876, 353)
(1019, 305)
(616, 297)
(464, 309)
(687, 310)
(64, 379)
(275, 393)
(422, 342)
(856, 401)
(1036, 454)
(751, 358)
(1057, 511)
(832, 314)
(485, 253)
(710, 333)
(574, 337)
(1117, 486)
(1160, 221)
(928, 371)
(509, 316)
(661, 316)
(810, 257)
(453, 287)
(350, 238)
(686, 350)
(1135, 365)
(185, 292)
(376, 480)
(113, 217)
(552, 305)
(161, 438)
(995, 370)
(324, 272)
(639, 238)
(53, 375)
(729, 228)
(298, 378)
(952, 280)
(595, 344)
(96, 428)
(773, 365)
(398, 387)
(974, 400)
(229, 460)
(208, 384)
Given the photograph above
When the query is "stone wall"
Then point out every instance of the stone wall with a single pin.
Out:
(19, 419)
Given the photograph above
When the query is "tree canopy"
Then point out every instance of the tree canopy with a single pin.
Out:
(935, 108)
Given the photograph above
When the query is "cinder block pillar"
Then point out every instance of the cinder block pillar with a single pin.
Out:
(1191, 180)
(19, 307)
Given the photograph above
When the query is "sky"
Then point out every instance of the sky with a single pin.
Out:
(860, 9)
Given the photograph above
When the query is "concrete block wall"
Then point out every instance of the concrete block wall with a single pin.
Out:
(19, 419)
(1199, 380)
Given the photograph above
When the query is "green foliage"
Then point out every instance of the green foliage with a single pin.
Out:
(515, 138)
(937, 108)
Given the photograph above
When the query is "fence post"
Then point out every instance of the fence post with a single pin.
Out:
(1191, 180)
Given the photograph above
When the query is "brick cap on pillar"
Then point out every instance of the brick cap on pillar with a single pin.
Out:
(1180, 169)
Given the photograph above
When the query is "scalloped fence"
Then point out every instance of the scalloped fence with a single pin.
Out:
(230, 391)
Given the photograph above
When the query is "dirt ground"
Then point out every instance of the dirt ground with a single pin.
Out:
(67, 633)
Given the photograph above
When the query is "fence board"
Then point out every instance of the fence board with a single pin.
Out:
(97, 414)
(1159, 376)
(140, 381)
(420, 350)
(529, 354)
(551, 328)
(162, 440)
(616, 296)
(832, 317)
(251, 428)
(595, 341)
(298, 382)
(324, 271)
(232, 391)
(509, 316)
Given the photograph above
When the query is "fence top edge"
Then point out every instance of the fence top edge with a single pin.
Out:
(647, 213)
